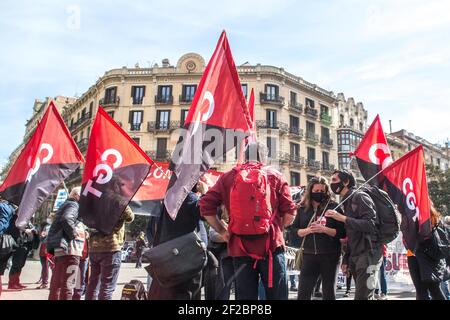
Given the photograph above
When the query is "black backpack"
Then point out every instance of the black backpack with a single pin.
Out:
(134, 290)
(387, 215)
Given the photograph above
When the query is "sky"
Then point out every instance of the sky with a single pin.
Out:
(394, 56)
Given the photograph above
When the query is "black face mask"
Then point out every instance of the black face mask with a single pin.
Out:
(318, 196)
(337, 187)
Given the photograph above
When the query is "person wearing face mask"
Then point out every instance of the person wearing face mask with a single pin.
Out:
(321, 235)
(364, 253)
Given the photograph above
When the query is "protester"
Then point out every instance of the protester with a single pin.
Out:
(65, 241)
(105, 258)
(322, 246)
(364, 253)
(426, 265)
(43, 255)
(186, 221)
(255, 254)
(24, 240)
(7, 212)
(140, 246)
(383, 280)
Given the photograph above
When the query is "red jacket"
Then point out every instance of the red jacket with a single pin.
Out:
(281, 201)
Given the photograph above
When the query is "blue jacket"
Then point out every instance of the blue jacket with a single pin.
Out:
(6, 214)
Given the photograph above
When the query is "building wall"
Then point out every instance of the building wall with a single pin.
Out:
(188, 71)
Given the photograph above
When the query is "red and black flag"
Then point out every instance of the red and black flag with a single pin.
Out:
(115, 169)
(372, 153)
(406, 183)
(218, 117)
(48, 158)
(147, 201)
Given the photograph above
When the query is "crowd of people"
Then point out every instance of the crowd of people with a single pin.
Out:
(245, 220)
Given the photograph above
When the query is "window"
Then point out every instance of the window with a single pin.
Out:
(162, 119)
(110, 95)
(352, 123)
(309, 103)
(311, 153)
(310, 129)
(91, 108)
(137, 93)
(295, 178)
(164, 94)
(294, 122)
(188, 93)
(323, 109)
(161, 148)
(361, 128)
(271, 92)
(245, 90)
(184, 114)
(344, 161)
(83, 113)
(137, 140)
(111, 114)
(71, 122)
(272, 147)
(341, 120)
(295, 150)
(293, 99)
(325, 134)
(135, 120)
(271, 118)
(326, 160)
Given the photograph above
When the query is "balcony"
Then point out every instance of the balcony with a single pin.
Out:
(271, 99)
(326, 119)
(283, 157)
(326, 142)
(271, 125)
(82, 144)
(328, 168)
(294, 106)
(163, 126)
(313, 164)
(311, 112)
(296, 161)
(160, 155)
(312, 138)
(135, 126)
(111, 102)
(84, 119)
(163, 99)
(295, 133)
(186, 99)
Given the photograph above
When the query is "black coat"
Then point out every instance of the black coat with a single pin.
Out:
(63, 228)
(318, 243)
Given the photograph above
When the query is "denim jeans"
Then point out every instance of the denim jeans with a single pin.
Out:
(293, 280)
(81, 281)
(383, 282)
(105, 268)
(247, 280)
(445, 289)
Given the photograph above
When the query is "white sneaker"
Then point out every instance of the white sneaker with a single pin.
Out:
(383, 297)
(376, 296)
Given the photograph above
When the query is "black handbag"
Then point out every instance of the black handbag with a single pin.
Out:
(178, 260)
(7, 244)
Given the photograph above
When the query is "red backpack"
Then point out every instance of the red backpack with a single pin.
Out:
(251, 212)
(250, 208)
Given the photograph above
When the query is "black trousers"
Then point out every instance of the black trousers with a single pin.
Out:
(313, 267)
(19, 258)
(423, 289)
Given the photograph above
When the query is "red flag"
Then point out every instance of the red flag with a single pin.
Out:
(48, 158)
(115, 169)
(218, 115)
(406, 183)
(149, 196)
(372, 153)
